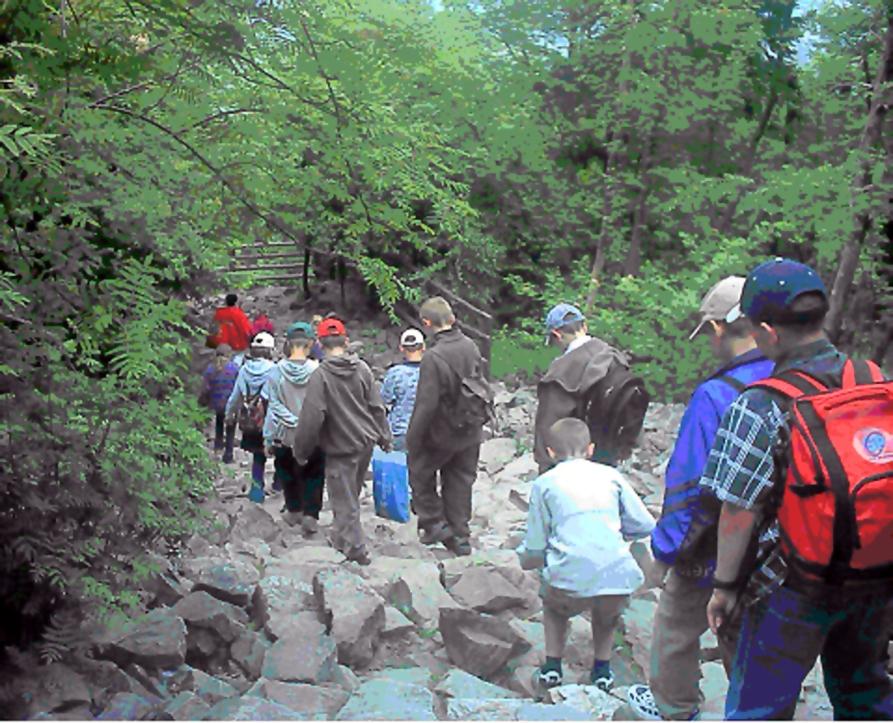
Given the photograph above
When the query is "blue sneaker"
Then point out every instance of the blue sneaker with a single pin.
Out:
(256, 494)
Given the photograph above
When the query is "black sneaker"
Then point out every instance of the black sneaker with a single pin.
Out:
(458, 546)
(543, 680)
(433, 535)
(360, 557)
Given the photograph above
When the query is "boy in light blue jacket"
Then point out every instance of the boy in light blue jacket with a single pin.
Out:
(582, 516)
(400, 383)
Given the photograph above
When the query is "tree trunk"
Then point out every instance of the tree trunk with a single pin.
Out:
(633, 263)
(849, 255)
(604, 236)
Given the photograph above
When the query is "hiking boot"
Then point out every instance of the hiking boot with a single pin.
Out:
(642, 702)
(361, 557)
(293, 519)
(228, 459)
(459, 546)
(256, 494)
(543, 680)
(435, 534)
(309, 525)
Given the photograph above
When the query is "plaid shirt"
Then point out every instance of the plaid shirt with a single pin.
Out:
(740, 469)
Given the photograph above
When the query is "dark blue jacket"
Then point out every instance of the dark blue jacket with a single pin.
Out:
(687, 526)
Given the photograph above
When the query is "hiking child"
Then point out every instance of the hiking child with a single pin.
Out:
(302, 486)
(821, 576)
(581, 516)
(246, 405)
(444, 433)
(344, 415)
(261, 323)
(398, 390)
(316, 351)
(590, 381)
(683, 543)
(233, 327)
(218, 379)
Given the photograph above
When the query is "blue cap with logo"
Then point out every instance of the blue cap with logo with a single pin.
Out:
(772, 287)
(559, 316)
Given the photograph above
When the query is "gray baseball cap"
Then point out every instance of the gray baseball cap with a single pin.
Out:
(719, 301)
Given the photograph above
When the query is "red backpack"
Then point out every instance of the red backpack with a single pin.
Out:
(835, 473)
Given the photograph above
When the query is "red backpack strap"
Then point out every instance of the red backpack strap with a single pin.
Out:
(857, 371)
(791, 384)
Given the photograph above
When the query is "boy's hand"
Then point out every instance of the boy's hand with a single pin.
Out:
(268, 450)
(385, 445)
(657, 574)
(720, 607)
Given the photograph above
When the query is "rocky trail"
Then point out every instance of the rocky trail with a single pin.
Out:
(252, 620)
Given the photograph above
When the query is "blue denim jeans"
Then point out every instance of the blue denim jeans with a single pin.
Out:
(782, 636)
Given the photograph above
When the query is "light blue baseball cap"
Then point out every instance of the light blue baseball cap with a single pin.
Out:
(559, 316)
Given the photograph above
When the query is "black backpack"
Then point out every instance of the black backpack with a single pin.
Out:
(614, 408)
(473, 406)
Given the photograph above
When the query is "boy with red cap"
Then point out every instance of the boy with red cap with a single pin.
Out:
(343, 413)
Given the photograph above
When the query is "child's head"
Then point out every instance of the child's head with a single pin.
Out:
(333, 336)
(437, 314)
(299, 338)
(412, 345)
(262, 345)
(564, 323)
(222, 355)
(727, 339)
(315, 319)
(231, 299)
(569, 438)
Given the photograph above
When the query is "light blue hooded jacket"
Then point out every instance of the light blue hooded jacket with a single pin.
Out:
(253, 376)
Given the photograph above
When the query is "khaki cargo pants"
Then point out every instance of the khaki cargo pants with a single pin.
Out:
(345, 479)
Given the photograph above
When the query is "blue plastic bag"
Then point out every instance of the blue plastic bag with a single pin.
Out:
(390, 485)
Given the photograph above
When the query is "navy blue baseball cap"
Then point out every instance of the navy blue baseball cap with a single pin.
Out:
(559, 316)
(772, 287)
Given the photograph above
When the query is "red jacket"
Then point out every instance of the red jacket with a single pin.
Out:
(233, 328)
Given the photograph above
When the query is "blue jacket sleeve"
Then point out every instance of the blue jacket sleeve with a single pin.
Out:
(235, 397)
(682, 495)
(389, 387)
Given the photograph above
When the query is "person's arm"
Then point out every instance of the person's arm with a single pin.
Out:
(379, 412)
(636, 521)
(682, 493)
(427, 399)
(311, 419)
(532, 551)
(235, 396)
(389, 387)
(553, 403)
(736, 529)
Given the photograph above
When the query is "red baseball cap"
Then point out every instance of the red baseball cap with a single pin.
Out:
(330, 327)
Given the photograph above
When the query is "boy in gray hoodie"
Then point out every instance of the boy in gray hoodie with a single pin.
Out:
(344, 414)
(302, 486)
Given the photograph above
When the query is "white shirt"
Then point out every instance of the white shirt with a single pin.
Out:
(577, 343)
(582, 516)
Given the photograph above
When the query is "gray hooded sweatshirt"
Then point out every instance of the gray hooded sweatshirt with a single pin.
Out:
(286, 391)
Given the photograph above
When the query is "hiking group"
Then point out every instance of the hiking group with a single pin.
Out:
(777, 524)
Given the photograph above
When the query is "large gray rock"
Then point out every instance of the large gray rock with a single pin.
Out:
(283, 626)
(232, 581)
(389, 700)
(129, 706)
(156, 640)
(396, 624)
(281, 594)
(187, 706)
(413, 676)
(316, 702)
(419, 595)
(250, 707)
(479, 644)
(497, 453)
(165, 585)
(306, 658)
(520, 470)
(201, 610)
(593, 701)
(483, 708)
(248, 652)
(253, 522)
(356, 614)
(638, 620)
(459, 684)
(55, 687)
(486, 590)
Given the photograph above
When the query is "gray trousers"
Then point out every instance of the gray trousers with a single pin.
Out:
(452, 504)
(345, 477)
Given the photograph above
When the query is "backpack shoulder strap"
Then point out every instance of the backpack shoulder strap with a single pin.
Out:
(736, 384)
(857, 372)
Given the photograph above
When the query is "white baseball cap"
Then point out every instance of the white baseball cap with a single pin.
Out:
(412, 337)
(719, 302)
(263, 340)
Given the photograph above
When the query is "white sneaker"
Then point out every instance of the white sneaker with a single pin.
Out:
(641, 700)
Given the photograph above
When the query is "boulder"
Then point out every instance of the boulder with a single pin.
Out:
(479, 644)
(520, 680)
(253, 522)
(497, 453)
(201, 610)
(315, 702)
(486, 590)
(282, 625)
(212, 690)
(459, 684)
(309, 657)
(419, 595)
(354, 612)
(232, 581)
(483, 708)
(413, 676)
(593, 701)
(638, 620)
(389, 700)
(549, 712)
(520, 470)
(396, 623)
(504, 561)
(156, 640)
(55, 687)
(129, 706)
(164, 585)
(186, 706)
(345, 678)
(280, 595)
(248, 651)
(250, 707)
